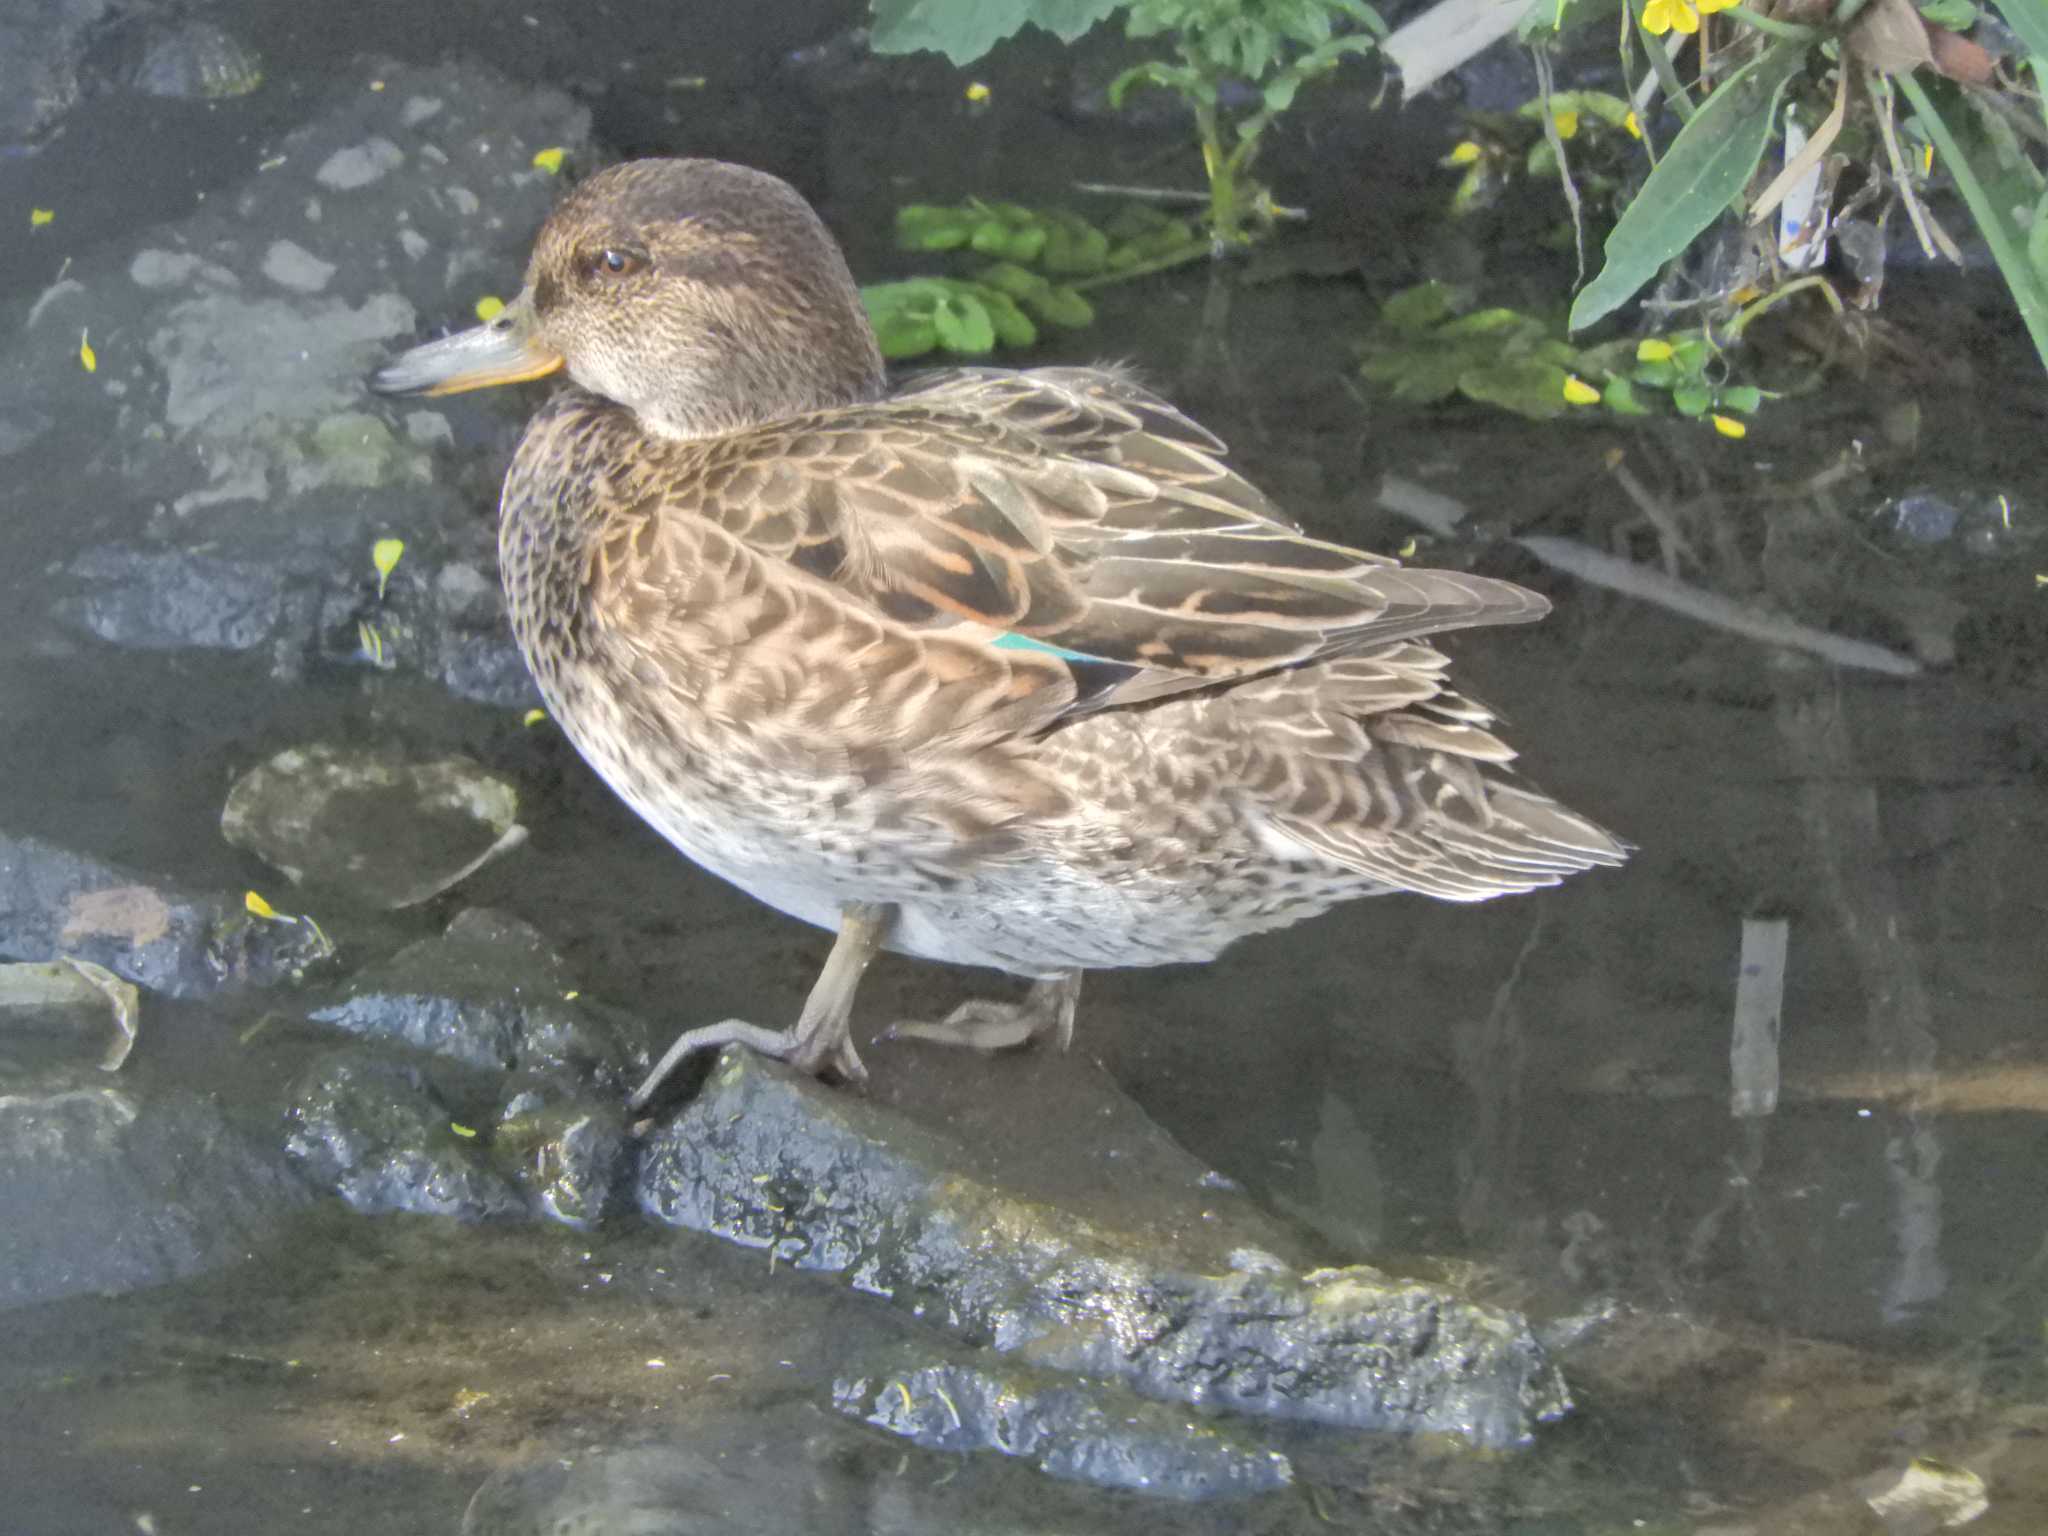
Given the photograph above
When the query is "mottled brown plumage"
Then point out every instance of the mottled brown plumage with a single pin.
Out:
(1001, 668)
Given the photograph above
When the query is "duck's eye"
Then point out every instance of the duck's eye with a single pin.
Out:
(614, 262)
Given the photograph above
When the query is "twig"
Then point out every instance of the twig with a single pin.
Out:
(1809, 156)
(1653, 586)
(1178, 198)
(1759, 1008)
(1931, 234)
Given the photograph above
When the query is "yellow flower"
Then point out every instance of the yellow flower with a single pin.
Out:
(1728, 426)
(1464, 154)
(1579, 392)
(1633, 124)
(1567, 124)
(1661, 16)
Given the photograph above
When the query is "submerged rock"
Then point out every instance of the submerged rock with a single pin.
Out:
(1077, 1431)
(574, 1158)
(489, 993)
(56, 902)
(108, 1190)
(377, 1134)
(231, 350)
(388, 831)
(1169, 1285)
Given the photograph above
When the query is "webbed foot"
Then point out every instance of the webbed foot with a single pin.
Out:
(1046, 1012)
(821, 1040)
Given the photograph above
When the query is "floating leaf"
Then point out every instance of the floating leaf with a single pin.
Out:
(385, 555)
(977, 92)
(963, 325)
(489, 307)
(88, 359)
(549, 159)
(1578, 392)
(38, 217)
(924, 227)
(1704, 170)
(256, 906)
(533, 717)
(1728, 426)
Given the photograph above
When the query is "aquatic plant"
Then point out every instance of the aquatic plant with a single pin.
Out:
(1432, 345)
(1883, 99)
(1047, 257)
(1273, 47)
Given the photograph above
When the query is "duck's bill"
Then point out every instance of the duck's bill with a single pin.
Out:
(501, 352)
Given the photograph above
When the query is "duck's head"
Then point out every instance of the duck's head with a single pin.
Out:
(703, 297)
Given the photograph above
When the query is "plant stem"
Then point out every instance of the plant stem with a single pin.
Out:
(2028, 291)
(1179, 258)
(1771, 28)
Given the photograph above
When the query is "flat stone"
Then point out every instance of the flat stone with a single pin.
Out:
(360, 164)
(291, 265)
(1079, 1238)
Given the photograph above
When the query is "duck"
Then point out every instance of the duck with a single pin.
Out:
(1000, 668)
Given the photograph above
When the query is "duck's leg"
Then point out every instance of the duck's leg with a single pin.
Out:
(821, 1037)
(1046, 1012)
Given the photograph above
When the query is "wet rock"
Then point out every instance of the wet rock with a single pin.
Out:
(56, 902)
(108, 1190)
(1077, 1238)
(178, 58)
(71, 1001)
(1079, 1432)
(573, 1157)
(489, 993)
(42, 46)
(377, 1134)
(289, 595)
(388, 831)
(232, 349)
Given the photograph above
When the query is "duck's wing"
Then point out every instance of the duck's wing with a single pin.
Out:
(1072, 511)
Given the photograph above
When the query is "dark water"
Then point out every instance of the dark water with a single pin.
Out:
(1534, 1094)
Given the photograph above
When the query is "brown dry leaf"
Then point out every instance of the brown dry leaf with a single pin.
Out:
(131, 912)
(1959, 58)
(1891, 38)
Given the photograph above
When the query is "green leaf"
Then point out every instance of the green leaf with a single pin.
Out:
(1013, 327)
(1026, 243)
(1956, 15)
(1414, 310)
(1008, 278)
(2029, 18)
(991, 237)
(1527, 386)
(1705, 169)
(964, 30)
(1742, 398)
(963, 325)
(923, 227)
(1279, 93)
(1073, 246)
(1620, 398)
(1692, 399)
(1062, 306)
